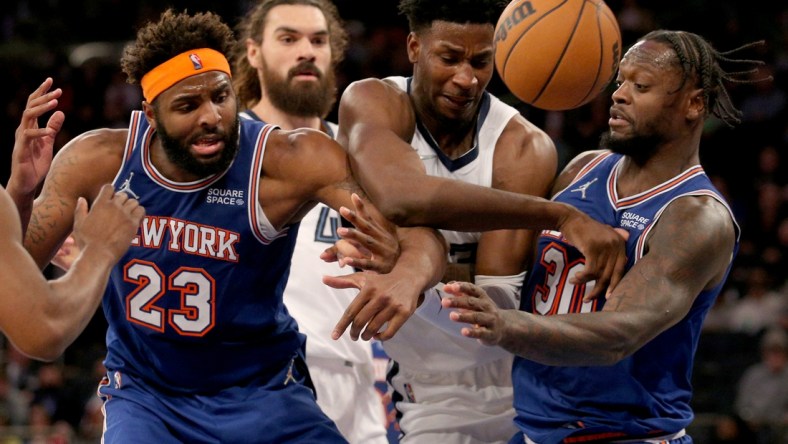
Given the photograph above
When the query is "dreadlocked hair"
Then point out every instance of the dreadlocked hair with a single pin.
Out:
(245, 78)
(701, 62)
(174, 34)
(421, 13)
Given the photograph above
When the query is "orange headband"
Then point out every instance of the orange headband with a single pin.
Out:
(183, 65)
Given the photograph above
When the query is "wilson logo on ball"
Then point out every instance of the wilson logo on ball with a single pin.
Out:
(557, 54)
(519, 14)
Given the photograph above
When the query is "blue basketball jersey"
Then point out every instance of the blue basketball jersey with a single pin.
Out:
(195, 305)
(649, 392)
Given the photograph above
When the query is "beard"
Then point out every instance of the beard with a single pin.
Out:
(639, 147)
(178, 152)
(302, 99)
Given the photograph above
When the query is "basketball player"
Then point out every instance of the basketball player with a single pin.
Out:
(377, 121)
(283, 71)
(618, 369)
(200, 346)
(41, 318)
(447, 388)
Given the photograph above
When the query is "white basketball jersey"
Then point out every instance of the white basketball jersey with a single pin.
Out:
(420, 345)
(315, 306)
(475, 166)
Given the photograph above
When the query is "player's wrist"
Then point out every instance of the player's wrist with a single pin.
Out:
(94, 255)
(565, 215)
(21, 196)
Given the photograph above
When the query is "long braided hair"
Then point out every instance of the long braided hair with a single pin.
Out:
(699, 60)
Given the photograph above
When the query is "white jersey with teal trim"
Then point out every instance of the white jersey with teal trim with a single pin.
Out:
(449, 388)
(419, 345)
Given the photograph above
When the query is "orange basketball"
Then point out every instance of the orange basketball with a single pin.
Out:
(557, 54)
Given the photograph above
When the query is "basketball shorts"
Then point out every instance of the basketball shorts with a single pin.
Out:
(679, 437)
(346, 392)
(472, 406)
(282, 410)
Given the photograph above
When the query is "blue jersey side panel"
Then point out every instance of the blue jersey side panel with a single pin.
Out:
(196, 304)
(645, 394)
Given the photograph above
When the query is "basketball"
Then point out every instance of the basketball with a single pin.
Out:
(557, 54)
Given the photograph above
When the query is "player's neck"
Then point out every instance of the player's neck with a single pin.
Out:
(453, 143)
(271, 114)
(453, 138)
(664, 165)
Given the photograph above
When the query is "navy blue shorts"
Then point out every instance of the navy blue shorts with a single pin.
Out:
(281, 411)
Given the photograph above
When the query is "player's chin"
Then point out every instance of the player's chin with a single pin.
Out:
(453, 110)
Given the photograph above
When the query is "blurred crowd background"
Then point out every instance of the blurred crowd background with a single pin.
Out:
(741, 372)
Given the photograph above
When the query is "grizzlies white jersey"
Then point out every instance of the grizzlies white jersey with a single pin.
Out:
(439, 350)
(475, 166)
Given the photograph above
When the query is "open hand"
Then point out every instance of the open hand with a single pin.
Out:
(372, 245)
(33, 146)
(384, 303)
(473, 306)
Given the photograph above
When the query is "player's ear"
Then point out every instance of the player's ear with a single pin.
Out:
(150, 114)
(253, 53)
(414, 47)
(697, 105)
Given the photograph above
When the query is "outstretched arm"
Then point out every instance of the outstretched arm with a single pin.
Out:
(302, 167)
(41, 317)
(376, 123)
(682, 259)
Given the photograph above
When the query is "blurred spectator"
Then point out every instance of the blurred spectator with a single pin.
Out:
(635, 20)
(13, 403)
(48, 397)
(770, 209)
(760, 306)
(731, 429)
(775, 256)
(762, 397)
(766, 102)
(120, 99)
(91, 424)
(718, 319)
(769, 165)
(19, 370)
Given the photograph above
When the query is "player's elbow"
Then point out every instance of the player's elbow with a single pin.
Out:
(42, 343)
(404, 212)
(44, 354)
(623, 344)
(396, 213)
(397, 207)
(618, 352)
